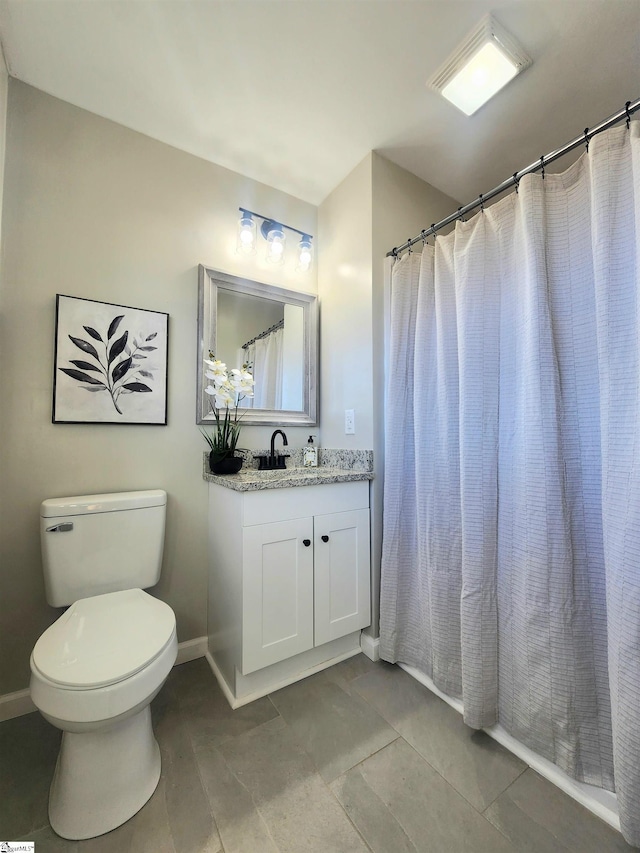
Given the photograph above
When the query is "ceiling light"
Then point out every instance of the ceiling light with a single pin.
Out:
(485, 62)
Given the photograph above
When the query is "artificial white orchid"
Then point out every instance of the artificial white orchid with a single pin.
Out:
(226, 390)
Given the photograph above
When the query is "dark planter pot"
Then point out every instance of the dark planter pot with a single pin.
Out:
(226, 465)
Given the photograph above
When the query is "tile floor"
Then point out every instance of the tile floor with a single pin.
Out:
(357, 758)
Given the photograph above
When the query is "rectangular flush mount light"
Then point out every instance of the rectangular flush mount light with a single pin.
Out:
(485, 62)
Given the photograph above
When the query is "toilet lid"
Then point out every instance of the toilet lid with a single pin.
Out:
(104, 639)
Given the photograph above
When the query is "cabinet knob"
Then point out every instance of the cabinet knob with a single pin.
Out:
(306, 542)
(325, 538)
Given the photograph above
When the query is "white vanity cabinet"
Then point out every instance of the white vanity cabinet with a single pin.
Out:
(286, 577)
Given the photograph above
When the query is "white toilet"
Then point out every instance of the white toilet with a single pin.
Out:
(95, 671)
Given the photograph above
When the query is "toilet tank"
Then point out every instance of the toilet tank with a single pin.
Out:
(92, 544)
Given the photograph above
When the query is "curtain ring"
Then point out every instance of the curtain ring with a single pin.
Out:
(460, 217)
(542, 165)
(423, 234)
(516, 181)
(409, 245)
(481, 202)
(587, 138)
(626, 109)
(433, 231)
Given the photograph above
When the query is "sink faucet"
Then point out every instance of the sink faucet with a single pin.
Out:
(272, 457)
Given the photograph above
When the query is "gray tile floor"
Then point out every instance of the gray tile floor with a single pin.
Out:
(356, 758)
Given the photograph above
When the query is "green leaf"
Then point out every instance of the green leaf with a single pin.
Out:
(85, 346)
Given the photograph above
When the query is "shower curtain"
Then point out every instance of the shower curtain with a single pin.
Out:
(511, 554)
(265, 354)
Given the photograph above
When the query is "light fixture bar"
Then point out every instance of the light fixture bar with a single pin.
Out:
(270, 219)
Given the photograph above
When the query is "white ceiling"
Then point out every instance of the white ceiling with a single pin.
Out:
(294, 93)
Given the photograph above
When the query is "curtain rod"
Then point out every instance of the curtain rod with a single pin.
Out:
(278, 325)
(584, 139)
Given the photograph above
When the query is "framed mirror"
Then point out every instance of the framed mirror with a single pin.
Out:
(275, 332)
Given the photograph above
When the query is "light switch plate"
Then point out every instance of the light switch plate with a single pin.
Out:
(349, 422)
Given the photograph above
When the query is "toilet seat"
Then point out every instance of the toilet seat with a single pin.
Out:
(103, 640)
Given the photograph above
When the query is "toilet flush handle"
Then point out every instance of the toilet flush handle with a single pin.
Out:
(65, 527)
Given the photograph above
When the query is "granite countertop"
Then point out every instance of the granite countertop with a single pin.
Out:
(336, 466)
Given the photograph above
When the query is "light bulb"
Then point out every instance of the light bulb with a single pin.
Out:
(246, 244)
(275, 245)
(305, 254)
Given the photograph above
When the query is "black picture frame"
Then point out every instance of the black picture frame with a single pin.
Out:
(110, 363)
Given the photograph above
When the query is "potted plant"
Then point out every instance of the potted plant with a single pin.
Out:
(227, 388)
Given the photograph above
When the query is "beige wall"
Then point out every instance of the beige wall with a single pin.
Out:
(93, 209)
(344, 287)
(376, 207)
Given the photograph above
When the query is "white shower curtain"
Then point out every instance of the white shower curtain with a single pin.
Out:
(265, 354)
(511, 556)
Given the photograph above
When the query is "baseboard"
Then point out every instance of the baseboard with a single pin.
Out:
(19, 703)
(370, 646)
(191, 650)
(16, 704)
(279, 679)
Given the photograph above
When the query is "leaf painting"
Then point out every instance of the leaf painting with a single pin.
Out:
(116, 362)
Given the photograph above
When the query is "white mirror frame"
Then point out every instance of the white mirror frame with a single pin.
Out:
(208, 282)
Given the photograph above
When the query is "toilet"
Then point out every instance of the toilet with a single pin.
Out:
(95, 671)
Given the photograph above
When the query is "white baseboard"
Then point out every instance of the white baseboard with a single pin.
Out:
(274, 678)
(16, 704)
(191, 650)
(370, 646)
(19, 703)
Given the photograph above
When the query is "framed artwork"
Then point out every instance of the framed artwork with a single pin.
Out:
(110, 363)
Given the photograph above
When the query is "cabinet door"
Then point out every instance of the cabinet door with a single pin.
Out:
(277, 620)
(342, 574)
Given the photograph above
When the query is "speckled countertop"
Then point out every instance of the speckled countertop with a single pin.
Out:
(335, 466)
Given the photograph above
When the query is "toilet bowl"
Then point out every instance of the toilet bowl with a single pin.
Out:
(94, 673)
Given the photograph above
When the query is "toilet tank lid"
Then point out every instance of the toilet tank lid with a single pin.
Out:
(88, 504)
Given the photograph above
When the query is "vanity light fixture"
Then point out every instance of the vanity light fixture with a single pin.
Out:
(485, 62)
(274, 234)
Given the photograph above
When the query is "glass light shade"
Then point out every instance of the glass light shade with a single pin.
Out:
(486, 73)
(275, 246)
(246, 244)
(305, 254)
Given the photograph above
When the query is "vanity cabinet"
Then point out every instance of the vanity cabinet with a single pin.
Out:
(286, 576)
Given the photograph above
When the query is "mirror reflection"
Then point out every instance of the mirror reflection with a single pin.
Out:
(267, 337)
(271, 330)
